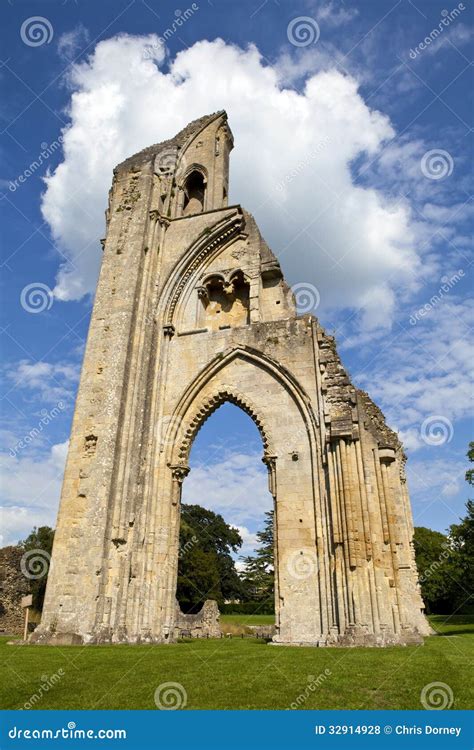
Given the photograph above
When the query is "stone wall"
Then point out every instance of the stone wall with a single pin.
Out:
(13, 585)
(203, 624)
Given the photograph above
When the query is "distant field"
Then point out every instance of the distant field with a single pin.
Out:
(235, 673)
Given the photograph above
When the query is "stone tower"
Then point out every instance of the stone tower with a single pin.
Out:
(191, 311)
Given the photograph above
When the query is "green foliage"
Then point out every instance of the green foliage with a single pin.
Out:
(432, 560)
(446, 562)
(258, 577)
(462, 560)
(470, 472)
(40, 539)
(206, 569)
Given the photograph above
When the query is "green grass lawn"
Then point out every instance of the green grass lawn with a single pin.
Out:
(248, 619)
(241, 673)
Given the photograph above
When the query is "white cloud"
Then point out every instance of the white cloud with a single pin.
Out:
(236, 487)
(346, 239)
(335, 14)
(432, 479)
(424, 370)
(249, 540)
(30, 491)
(71, 42)
(46, 380)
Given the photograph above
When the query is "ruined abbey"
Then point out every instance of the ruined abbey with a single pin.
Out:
(192, 310)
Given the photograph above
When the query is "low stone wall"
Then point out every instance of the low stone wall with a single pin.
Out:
(263, 631)
(204, 624)
(13, 585)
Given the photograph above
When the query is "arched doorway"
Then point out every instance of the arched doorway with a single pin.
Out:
(223, 505)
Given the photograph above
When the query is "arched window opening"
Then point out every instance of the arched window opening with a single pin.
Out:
(194, 193)
(226, 529)
(225, 303)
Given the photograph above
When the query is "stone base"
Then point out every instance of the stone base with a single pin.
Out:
(356, 640)
(55, 639)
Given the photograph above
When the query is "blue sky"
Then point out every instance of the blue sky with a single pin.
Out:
(353, 133)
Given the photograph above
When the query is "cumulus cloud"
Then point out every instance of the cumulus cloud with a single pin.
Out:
(435, 480)
(30, 492)
(236, 487)
(45, 381)
(430, 371)
(291, 166)
(71, 42)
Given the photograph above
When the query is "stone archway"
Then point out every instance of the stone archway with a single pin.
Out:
(289, 454)
(155, 366)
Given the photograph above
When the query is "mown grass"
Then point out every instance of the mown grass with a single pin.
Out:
(241, 673)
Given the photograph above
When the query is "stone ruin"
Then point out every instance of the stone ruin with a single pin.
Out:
(191, 311)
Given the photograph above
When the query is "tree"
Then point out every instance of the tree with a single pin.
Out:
(206, 569)
(470, 472)
(462, 559)
(432, 559)
(258, 576)
(446, 563)
(37, 548)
